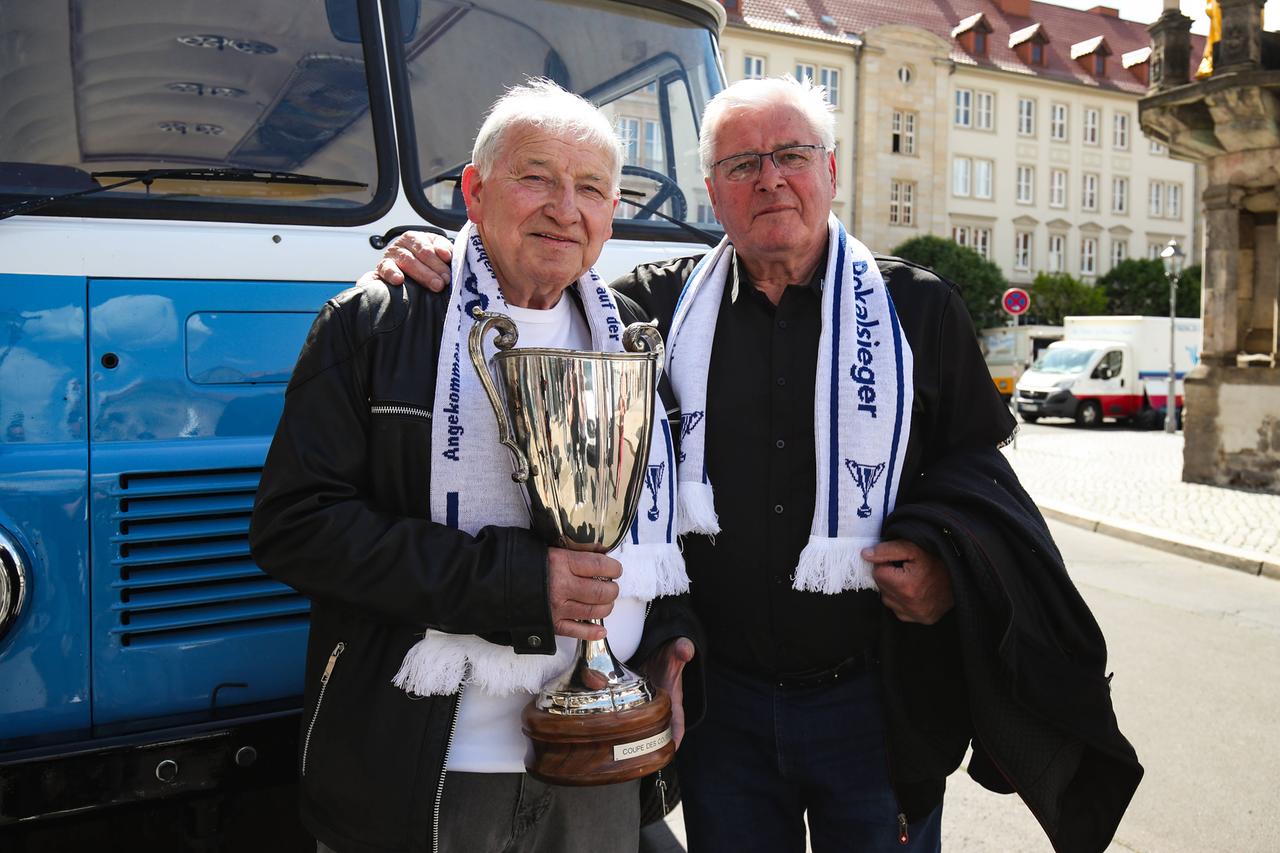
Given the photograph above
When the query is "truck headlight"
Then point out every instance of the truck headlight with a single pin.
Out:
(1065, 385)
(13, 582)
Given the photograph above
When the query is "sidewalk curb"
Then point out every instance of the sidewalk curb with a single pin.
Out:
(1250, 562)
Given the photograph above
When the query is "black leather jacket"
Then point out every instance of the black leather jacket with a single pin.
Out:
(342, 515)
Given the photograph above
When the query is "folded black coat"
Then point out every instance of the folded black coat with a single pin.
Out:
(1034, 697)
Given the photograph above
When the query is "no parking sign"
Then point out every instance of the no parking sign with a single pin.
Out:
(1015, 301)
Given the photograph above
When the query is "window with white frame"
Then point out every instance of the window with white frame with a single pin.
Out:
(964, 108)
(1026, 184)
(961, 177)
(629, 133)
(1022, 250)
(902, 202)
(1089, 192)
(653, 145)
(1154, 250)
(982, 178)
(1058, 188)
(984, 110)
(1091, 118)
(961, 235)
(1026, 117)
(1158, 148)
(1119, 251)
(1120, 131)
(1089, 256)
(706, 215)
(1173, 201)
(806, 72)
(1155, 198)
(1057, 253)
(1119, 194)
(982, 242)
(830, 80)
(752, 67)
(903, 138)
(1058, 122)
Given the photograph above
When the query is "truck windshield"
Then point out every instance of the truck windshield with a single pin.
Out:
(91, 90)
(651, 71)
(1063, 360)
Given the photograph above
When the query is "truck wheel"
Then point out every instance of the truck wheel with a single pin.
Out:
(1089, 414)
(1026, 418)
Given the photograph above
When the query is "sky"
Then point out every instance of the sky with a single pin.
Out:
(1148, 10)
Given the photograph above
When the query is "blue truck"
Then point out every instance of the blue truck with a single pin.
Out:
(182, 185)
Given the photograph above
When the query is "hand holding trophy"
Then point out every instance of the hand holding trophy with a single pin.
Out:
(578, 425)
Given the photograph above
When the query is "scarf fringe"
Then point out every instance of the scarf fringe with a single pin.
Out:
(437, 664)
(696, 511)
(651, 570)
(832, 566)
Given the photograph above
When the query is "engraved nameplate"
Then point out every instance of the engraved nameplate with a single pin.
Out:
(623, 751)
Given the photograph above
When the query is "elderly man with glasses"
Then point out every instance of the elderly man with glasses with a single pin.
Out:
(859, 552)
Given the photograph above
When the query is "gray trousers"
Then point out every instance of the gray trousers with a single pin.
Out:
(515, 813)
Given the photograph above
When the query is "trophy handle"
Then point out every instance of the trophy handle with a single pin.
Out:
(644, 337)
(506, 339)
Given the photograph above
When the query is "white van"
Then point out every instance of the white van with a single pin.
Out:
(1108, 367)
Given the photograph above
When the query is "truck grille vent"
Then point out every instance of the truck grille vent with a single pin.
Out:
(180, 551)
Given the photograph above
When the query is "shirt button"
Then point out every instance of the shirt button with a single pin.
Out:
(534, 641)
(782, 380)
(779, 444)
(782, 324)
(777, 509)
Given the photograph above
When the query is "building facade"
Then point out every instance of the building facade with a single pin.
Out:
(1009, 126)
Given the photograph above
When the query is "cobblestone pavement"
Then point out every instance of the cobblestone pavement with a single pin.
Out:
(1134, 477)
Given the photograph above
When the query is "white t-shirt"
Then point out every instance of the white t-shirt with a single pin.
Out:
(487, 737)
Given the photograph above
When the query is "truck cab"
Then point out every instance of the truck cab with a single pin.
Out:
(182, 186)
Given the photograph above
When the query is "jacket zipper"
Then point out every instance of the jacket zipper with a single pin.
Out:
(444, 768)
(413, 411)
(324, 684)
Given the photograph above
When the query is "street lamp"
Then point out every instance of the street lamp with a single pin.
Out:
(1172, 257)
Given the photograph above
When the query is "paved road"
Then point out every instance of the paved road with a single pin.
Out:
(1196, 652)
(1132, 476)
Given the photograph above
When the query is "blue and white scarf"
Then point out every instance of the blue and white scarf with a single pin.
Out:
(471, 485)
(862, 408)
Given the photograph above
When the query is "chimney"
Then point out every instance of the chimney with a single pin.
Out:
(1021, 8)
(1105, 11)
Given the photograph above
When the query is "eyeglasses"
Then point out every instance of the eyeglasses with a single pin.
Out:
(789, 160)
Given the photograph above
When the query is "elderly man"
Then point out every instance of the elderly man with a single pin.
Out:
(387, 499)
(838, 437)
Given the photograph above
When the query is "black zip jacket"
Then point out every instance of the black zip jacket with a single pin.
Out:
(1036, 698)
(342, 515)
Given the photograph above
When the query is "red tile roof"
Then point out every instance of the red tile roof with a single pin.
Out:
(1064, 27)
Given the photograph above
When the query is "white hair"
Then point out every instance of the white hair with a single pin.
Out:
(804, 96)
(540, 103)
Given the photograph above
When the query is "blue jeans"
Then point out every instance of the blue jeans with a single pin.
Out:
(765, 756)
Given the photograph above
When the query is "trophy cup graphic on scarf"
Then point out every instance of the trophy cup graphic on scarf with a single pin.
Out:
(579, 426)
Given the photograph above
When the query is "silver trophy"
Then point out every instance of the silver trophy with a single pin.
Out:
(578, 425)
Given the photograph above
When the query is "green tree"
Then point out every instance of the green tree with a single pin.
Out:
(1189, 284)
(1140, 287)
(981, 281)
(1057, 295)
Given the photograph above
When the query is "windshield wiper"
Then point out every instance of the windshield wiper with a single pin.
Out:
(146, 176)
(705, 236)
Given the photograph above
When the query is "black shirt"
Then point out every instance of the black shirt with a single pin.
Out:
(761, 461)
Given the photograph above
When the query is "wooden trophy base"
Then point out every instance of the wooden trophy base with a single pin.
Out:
(602, 748)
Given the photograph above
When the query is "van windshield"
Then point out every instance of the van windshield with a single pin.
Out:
(95, 91)
(1063, 360)
(651, 72)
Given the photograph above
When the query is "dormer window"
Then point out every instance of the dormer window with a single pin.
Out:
(972, 34)
(1029, 43)
(1092, 55)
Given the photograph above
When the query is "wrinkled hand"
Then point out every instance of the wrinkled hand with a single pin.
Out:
(913, 582)
(665, 668)
(421, 255)
(580, 586)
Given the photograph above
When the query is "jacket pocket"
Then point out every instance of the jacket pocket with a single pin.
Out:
(324, 686)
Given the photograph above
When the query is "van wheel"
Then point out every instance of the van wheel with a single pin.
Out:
(1030, 419)
(1089, 414)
